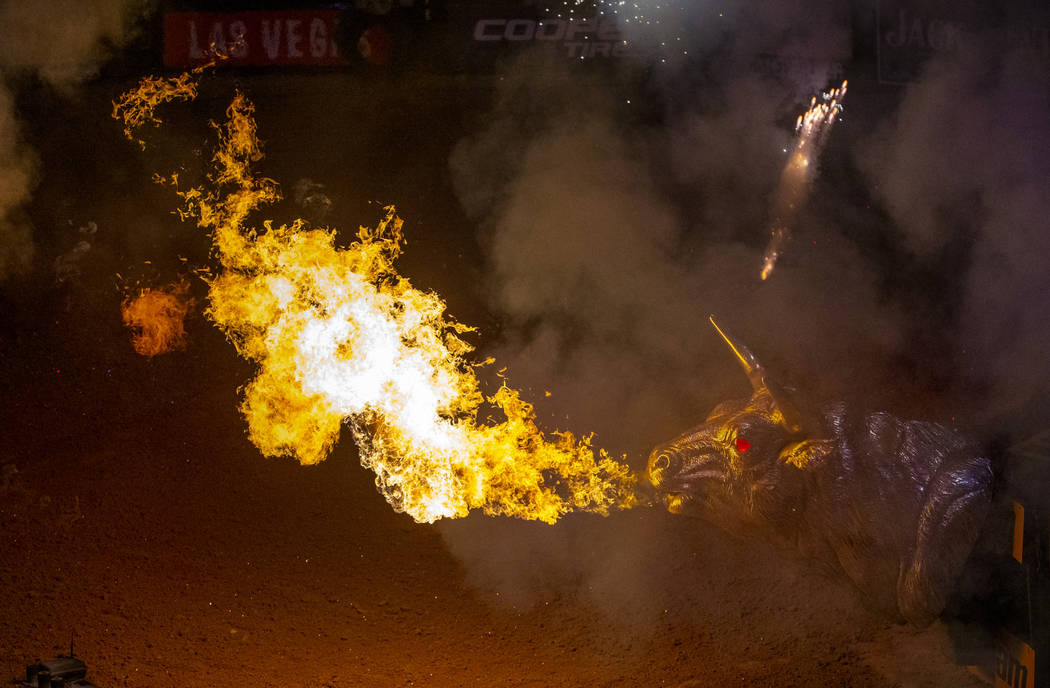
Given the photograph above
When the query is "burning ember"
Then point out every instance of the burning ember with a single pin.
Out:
(812, 128)
(136, 108)
(156, 318)
(338, 335)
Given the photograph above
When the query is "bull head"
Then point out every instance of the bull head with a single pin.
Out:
(893, 504)
(738, 467)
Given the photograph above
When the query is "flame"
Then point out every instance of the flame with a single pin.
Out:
(339, 335)
(156, 318)
(812, 127)
(138, 107)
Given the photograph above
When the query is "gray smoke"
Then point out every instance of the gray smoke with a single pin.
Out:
(964, 167)
(17, 172)
(610, 241)
(615, 220)
(804, 42)
(62, 42)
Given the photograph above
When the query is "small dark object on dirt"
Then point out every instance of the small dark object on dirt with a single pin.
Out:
(61, 672)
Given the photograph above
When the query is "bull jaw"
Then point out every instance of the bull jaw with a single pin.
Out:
(677, 501)
(682, 487)
(682, 490)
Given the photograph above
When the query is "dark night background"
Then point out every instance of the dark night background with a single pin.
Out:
(587, 216)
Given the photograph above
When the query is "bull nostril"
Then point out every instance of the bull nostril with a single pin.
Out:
(662, 462)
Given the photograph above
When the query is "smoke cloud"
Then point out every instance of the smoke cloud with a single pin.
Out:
(617, 216)
(614, 227)
(803, 42)
(17, 171)
(982, 112)
(62, 43)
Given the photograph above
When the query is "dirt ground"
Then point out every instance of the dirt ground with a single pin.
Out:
(145, 523)
(136, 515)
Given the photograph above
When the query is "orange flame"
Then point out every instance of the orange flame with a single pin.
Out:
(156, 318)
(138, 107)
(339, 335)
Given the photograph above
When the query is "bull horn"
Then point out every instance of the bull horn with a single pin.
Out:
(755, 372)
(790, 419)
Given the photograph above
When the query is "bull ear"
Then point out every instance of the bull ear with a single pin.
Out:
(807, 454)
(790, 419)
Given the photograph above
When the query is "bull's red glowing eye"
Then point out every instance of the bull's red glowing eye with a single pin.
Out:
(742, 445)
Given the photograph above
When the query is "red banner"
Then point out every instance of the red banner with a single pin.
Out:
(292, 37)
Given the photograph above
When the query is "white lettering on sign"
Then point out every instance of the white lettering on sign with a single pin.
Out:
(271, 38)
(239, 40)
(520, 30)
(482, 32)
(229, 40)
(252, 37)
(217, 38)
(906, 38)
(294, 37)
(550, 31)
(579, 38)
(289, 34)
(195, 49)
(318, 38)
(912, 31)
(583, 26)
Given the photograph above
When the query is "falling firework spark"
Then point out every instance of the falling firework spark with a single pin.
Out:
(812, 128)
(338, 335)
(157, 318)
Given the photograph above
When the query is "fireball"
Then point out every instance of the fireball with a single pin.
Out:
(157, 318)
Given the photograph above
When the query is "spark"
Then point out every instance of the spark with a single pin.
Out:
(811, 128)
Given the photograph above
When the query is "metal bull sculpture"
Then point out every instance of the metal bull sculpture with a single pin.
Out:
(896, 505)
